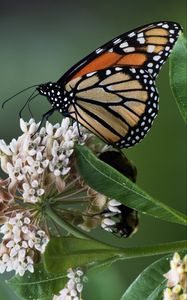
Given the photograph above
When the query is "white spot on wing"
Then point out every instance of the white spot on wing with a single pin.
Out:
(129, 49)
(98, 50)
(108, 72)
(165, 26)
(156, 57)
(140, 34)
(117, 41)
(133, 70)
(123, 45)
(90, 74)
(118, 69)
(141, 40)
(131, 34)
(150, 48)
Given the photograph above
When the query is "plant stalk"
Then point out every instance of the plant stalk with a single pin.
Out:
(65, 225)
(152, 250)
(121, 253)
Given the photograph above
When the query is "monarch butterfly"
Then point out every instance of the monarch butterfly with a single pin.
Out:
(112, 90)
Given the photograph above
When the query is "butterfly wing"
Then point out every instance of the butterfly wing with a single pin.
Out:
(112, 90)
(145, 47)
(117, 104)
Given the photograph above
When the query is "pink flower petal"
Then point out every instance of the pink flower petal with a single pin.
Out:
(60, 184)
(172, 277)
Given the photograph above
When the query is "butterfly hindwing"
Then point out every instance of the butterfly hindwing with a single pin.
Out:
(117, 104)
(145, 47)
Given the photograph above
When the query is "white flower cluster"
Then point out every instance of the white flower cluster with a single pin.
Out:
(20, 242)
(176, 279)
(28, 159)
(112, 210)
(74, 286)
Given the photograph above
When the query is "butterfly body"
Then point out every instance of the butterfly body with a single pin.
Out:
(112, 91)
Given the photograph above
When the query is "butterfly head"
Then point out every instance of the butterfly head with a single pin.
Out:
(54, 94)
(46, 89)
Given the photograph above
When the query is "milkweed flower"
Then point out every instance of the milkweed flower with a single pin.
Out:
(37, 164)
(20, 244)
(35, 156)
(176, 279)
(74, 287)
(42, 174)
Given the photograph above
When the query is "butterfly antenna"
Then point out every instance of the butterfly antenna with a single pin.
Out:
(31, 97)
(3, 104)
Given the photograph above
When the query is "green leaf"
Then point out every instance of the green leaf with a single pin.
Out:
(71, 252)
(39, 285)
(106, 180)
(149, 285)
(178, 75)
(66, 252)
(6, 293)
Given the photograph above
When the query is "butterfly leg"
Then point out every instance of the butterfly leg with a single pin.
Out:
(45, 117)
(30, 111)
(80, 134)
(31, 97)
(77, 123)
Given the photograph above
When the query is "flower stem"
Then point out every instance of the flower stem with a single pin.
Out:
(65, 225)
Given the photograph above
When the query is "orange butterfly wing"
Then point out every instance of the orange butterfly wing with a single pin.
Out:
(145, 47)
(112, 91)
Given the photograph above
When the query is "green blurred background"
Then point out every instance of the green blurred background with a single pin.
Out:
(39, 41)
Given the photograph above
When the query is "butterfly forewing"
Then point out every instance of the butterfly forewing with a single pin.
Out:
(145, 47)
(117, 104)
